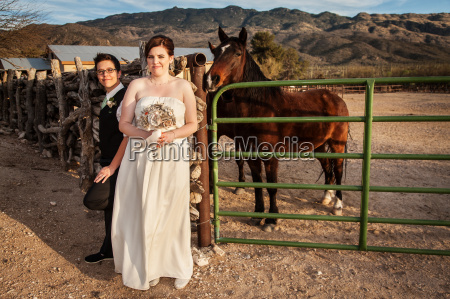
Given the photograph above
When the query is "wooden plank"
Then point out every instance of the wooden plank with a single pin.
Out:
(29, 104)
(85, 127)
(12, 99)
(40, 110)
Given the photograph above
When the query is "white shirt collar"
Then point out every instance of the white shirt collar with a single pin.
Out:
(113, 92)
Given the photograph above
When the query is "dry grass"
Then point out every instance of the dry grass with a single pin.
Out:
(385, 70)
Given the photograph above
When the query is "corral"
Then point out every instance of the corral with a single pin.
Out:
(46, 229)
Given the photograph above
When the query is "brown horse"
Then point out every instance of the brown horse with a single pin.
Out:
(232, 64)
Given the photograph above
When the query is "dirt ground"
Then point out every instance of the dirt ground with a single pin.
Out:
(46, 231)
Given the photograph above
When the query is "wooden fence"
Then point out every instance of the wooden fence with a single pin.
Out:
(60, 112)
(382, 88)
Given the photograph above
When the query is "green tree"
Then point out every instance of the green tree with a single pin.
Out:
(264, 47)
(276, 62)
(271, 68)
(293, 67)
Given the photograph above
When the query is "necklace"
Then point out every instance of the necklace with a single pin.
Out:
(158, 84)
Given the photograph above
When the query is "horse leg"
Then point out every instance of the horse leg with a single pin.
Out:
(327, 167)
(240, 164)
(256, 169)
(338, 146)
(271, 167)
(338, 171)
(210, 167)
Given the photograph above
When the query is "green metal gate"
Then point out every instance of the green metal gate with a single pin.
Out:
(366, 156)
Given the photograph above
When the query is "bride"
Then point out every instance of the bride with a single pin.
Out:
(151, 234)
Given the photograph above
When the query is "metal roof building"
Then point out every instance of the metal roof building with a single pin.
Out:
(22, 64)
(67, 54)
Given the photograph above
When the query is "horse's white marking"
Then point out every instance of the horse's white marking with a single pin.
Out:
(338, 204)
(224, 48)
(328, 196)
(209, 81)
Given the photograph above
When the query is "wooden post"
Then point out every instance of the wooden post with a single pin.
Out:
(40, 110)
(12, 100)
(203, 223)
(85, 127)
(59, 87)
(144, 68)
(63, 112)
(29, 104)
(19, 101)
(1, 100)
(5, 105)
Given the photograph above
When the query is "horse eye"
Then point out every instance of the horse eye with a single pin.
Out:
(237, 54)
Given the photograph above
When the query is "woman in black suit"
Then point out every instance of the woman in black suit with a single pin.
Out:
(112, 147)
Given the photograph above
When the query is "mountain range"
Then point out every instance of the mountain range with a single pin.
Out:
(324, 38)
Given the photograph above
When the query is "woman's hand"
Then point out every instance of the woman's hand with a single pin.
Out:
(104, 174)
(166, 137)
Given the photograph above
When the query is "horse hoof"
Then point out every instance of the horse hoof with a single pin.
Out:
(255, 221)
(324, 201)
(269, 227)
(337, 211)
(239, 191)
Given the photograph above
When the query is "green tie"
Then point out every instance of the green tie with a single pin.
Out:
(104, 102)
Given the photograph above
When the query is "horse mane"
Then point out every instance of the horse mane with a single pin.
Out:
(252, 72)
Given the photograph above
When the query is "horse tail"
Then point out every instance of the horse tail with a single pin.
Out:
(328, 150)
(345, 162)
(346, 151)
(320, 175)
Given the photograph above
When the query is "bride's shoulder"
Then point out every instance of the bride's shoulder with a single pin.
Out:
(138, 82)
(179, 81)
(182, 83)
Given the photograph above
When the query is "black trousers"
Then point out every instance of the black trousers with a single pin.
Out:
(101, 197)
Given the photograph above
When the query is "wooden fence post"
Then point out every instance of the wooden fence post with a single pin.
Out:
(2, 99)
(12, 100)
(203, 224)
(40, 110)
(144, 67)
(60, 93)
(85, 127)
(19, 100)
(63, 112)
(5, 97)
(29, 104)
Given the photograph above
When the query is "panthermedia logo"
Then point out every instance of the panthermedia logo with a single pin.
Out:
(245, 149)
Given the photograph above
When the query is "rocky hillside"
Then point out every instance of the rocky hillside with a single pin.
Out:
(320, 38)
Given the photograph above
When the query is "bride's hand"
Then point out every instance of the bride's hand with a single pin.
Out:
(166, 137)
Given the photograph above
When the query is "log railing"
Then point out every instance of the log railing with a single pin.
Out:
(60, 112)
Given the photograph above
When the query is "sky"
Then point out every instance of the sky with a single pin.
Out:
(71, 11)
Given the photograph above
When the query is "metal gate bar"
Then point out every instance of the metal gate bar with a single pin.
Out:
(366, 156)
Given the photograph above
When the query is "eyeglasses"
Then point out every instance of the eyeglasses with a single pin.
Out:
(102, 72)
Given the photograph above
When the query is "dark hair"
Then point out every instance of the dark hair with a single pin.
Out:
(160, 40)
(104, 56)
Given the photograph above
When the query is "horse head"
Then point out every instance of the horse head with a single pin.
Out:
(229, 60)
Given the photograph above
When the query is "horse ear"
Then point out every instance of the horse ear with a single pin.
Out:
(243, 36)
(211, 47)
(222, 35)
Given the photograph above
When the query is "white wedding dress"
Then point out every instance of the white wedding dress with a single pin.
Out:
(151, 234)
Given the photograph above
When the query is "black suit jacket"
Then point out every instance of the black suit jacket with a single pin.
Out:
(109, 134)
